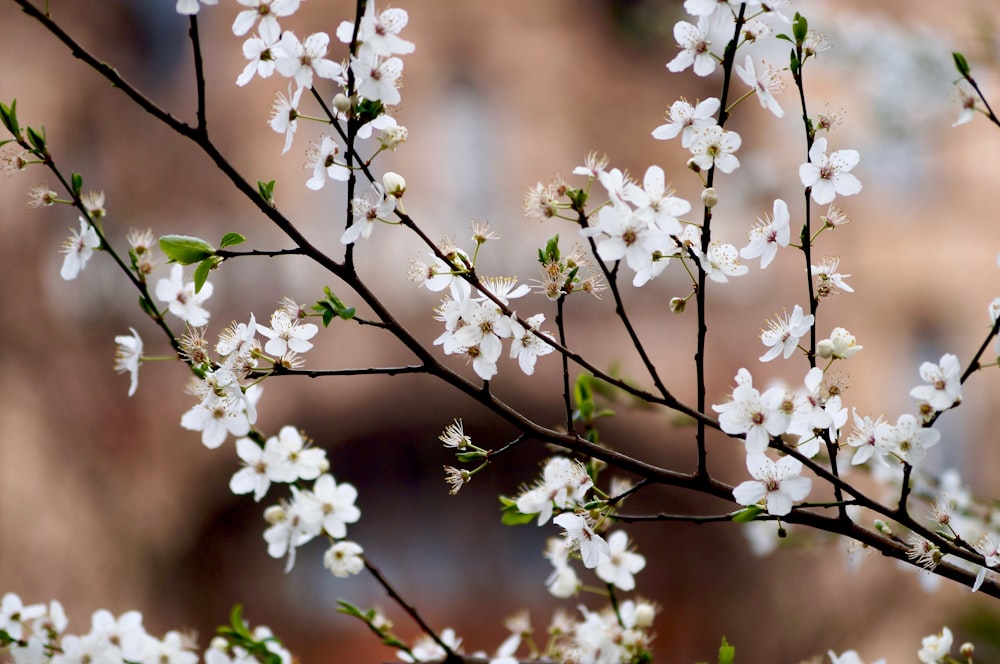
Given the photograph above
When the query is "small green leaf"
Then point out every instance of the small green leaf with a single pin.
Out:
(782, 35)
(36, 139)
(393, 642)
(8, 115)
(466, 457)
(551, 254)
(201, 272)
(185, 249)
(236, 622)
(231, 240)
(346, 607)
(800, 27)
(76, 181)
(961, 64)
(578, 197)
(266, 191)
(511, 515)
(727, 653)
(747, 514)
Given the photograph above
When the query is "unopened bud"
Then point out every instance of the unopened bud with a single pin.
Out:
(677, 305)
(342, 103)
(644, 614)
(709, 197)
(693, 165)
(966, 650)
(393, 136)
(394, 184)
(275, 514)
(824, 349)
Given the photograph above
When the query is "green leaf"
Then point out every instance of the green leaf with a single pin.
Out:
(578, 197)
(551, 253)
(201, 272)
(36, 139)
(8, 115)
(782, 35)
(266, 191)
(727, 653)
(466, 457)
(800, 27)
(346, 607)
(76, 181)
(231, 240)
(961, 64)
(511, 515)
(747, 514)
(185, 249)
(236, 622)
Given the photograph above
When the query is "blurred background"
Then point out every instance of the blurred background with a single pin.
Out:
(106, 502)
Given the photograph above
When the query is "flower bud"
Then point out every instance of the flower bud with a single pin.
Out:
(394, 184)
(709, 197)
(966, 650)
(392, 136)
(275, 514)
(693, 165)
(342, 103)
(824, 349)
(644, 614)
(677, 305)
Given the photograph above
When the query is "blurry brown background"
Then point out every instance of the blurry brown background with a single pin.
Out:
(107, 502)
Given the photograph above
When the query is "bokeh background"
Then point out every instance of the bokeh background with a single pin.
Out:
(105, 502)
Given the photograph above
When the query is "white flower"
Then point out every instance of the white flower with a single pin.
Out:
(906, 440)
(286, 334)
(78, 248)
(267, 12)
(685, 120)
(841, 345)
(259, 52)
(967, 97)
(335, 504)
(379, 35)
(827, 277)
(721, 262)
(284, 115)
(307, 463)
(655, 203)
(182, 300)
(217, 416)
(935, 647)
(291, 527)
(765, 83)
(191, 7)
(618, 568)
(262, 465)
(829, 176)
(783, 334)
(300, 60)
(378, 78)
(564, 483)
(780, 484)
(849, 657)
(695, 48)
(426, 649)
(714, 146)
(14, 614)
(128, 355)
(343, 559)
(759, 416)
(769, 234)
(580, 536)
(367, 211)
(863, 437)
(526, 346)
(945, 383)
